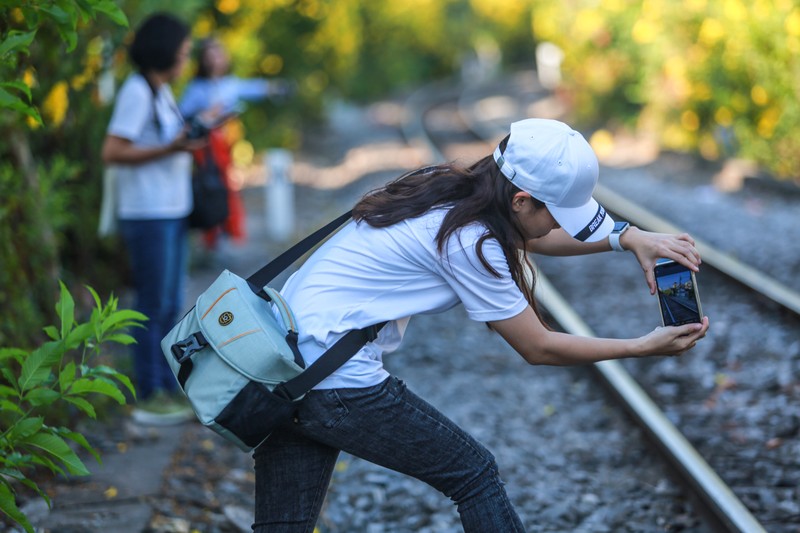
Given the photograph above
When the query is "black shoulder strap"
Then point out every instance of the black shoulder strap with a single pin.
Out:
(283, 261)
(336, 356)
(154, 109)
(340, 352)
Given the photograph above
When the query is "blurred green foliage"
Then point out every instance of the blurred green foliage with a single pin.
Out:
(719, 77)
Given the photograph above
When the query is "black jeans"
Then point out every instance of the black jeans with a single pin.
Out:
(389, 426)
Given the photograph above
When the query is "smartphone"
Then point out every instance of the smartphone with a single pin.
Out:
(678, 297)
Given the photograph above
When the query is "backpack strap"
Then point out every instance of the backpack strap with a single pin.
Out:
(344, 348)
(266, 273)
(336, 356)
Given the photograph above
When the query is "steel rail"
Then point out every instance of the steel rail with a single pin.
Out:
(726, 510)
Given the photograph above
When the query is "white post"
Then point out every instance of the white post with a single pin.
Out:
(279, 194)
(548, 64)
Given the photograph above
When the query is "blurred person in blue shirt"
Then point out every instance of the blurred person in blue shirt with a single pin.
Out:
(215, 92)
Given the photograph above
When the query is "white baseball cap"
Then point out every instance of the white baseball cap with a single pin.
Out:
(554, 164)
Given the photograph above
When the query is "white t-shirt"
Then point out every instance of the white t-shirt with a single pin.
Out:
(161, 188)
(364, 276)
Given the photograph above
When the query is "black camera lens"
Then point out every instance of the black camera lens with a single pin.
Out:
(196, 129)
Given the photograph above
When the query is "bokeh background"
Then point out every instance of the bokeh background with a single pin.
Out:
(717, 79)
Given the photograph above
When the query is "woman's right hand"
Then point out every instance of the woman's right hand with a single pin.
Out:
(673, 340)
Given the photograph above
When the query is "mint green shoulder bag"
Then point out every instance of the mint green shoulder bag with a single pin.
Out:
(238, 364)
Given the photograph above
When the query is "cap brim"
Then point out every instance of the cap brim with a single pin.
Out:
(588, 223)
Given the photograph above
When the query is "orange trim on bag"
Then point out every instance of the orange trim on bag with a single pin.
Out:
(217, 301)
(289, 316)
(239, 336)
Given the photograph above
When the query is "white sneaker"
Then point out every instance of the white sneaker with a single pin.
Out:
(162, 410)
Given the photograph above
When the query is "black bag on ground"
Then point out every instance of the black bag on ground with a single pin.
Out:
(209, 193)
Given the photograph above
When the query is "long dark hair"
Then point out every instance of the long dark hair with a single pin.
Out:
(478, 193)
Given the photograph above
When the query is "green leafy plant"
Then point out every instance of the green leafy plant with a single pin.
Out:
(60, 371)
(27, 18)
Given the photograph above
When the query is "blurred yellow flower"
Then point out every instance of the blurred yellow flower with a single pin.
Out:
(689, 120)
(29, 77)
(675, 72)
(310, 9)
(56, 103)
(676, 137)
(79, 81)
(766, 124)
(653, 9)
(644, 31)
(711, 31)
(723, 116)
(228, 7)
(702, 92)
(735, 10)
(203, 26)
(761, 9)
(272, 64)
(602, 142)
(759, 95)
(242, 153)
(708, 147)
(546, 22)
(792, 23)
(675, 67)
(587, 23)
(233, 131)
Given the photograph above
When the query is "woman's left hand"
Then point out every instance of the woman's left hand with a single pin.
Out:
(649, 247)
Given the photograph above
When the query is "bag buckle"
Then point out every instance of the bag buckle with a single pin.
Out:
(183, 350)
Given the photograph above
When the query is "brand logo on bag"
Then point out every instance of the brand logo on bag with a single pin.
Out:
(225, 318)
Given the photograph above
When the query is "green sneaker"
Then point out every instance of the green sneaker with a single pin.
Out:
(162, 409)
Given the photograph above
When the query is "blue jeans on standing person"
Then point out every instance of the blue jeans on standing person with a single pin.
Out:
(158, 251)
(390, 426)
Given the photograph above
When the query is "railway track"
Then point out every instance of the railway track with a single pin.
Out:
(717, 502)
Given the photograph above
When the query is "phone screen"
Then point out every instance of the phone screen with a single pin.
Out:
(677, 294)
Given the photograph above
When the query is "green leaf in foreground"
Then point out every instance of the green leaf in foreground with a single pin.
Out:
(56, 447)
